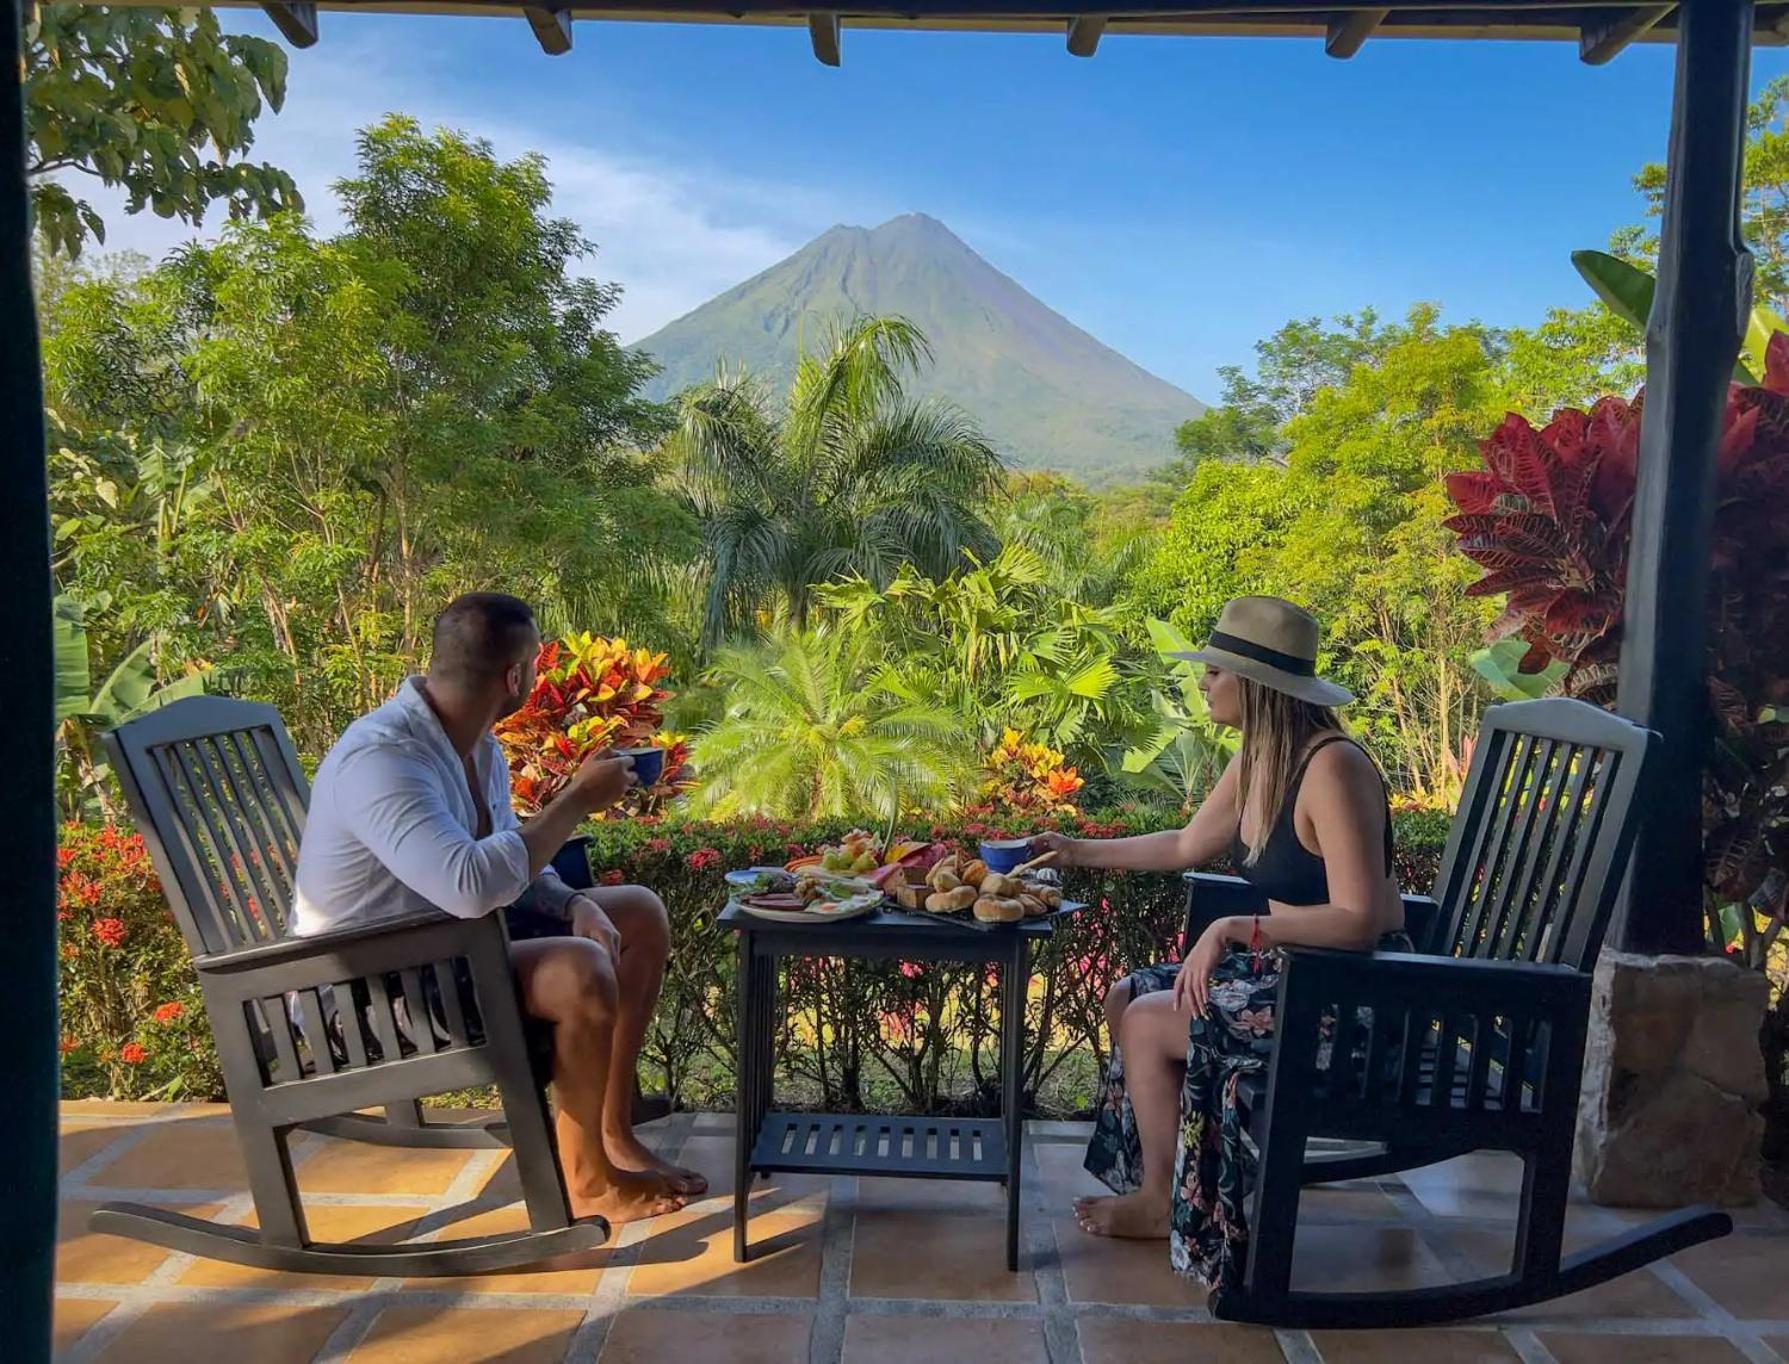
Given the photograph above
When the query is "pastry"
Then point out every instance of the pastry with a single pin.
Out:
(1050, 895)
(946, 901)
(948, 867)
(973, 871)
(946, 880)
(1001, 886)
(909, 894)
(998, 909)
(1034, 908)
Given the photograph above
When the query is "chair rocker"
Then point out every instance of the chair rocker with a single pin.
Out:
(311, 1030)
(1476, 1042)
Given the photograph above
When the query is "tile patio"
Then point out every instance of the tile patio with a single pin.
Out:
(858, 1270)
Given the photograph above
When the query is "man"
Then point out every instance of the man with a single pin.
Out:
(410, 810)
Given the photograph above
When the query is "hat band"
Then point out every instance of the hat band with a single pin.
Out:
(1247, 648)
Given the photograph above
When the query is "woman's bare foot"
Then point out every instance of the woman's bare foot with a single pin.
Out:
(632, 1196)
(1135, 1216)
(630, 1153)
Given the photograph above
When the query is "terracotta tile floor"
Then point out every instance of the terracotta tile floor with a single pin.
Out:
(851, 1270)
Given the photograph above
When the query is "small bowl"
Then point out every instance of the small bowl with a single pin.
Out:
(649, 763)
(1003, 854)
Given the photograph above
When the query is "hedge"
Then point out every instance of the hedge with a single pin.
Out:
(854, 1035)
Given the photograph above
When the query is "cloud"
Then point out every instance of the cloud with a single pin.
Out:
(673, 234)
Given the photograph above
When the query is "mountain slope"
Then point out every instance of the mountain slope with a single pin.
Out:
(1049, 395)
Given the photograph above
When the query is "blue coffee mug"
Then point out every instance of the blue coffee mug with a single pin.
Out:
(649, 763)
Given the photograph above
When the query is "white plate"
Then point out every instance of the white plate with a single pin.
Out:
(745, 877)
(854, 908)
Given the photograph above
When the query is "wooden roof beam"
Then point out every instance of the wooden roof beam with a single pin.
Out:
(1606, 39)
(1349, 32)
(295, 19)
(552, 28)
(823, 32)
(1084, 32)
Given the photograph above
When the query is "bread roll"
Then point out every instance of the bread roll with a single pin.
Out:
(973, 872)
(1049, 895)
(948, 867)
(1000, 886)
(946, 880)
(945, 901)
(998, 909)
(1034, 908)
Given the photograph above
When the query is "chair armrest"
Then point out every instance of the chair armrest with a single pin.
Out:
(1422, 920)
(1210, 897)
(1456, 985)
(347, 954)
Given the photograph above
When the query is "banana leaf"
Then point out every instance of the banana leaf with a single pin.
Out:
(1628, 291)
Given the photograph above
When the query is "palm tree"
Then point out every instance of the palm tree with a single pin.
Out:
(807, 734)
(850, 477)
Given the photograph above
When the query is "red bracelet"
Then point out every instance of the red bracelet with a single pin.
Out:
(1255, 946)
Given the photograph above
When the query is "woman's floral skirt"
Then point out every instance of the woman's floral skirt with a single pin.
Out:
(1214, 1168)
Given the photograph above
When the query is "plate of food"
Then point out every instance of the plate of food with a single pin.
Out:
(814, 896)
(959, 885)
(761, 881)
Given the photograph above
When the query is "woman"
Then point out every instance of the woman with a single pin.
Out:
(1302, 810)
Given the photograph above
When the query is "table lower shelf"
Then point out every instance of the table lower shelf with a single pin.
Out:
(872, 1144)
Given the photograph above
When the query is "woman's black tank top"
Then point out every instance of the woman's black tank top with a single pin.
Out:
(1287, 871)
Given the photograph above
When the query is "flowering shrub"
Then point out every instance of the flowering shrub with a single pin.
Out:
(132, 1020)
(850, 1030)
(591, 693)
(1028, 780)
(1549, 519)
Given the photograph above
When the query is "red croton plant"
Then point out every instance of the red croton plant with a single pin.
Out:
(592, 693)
(1549, 518)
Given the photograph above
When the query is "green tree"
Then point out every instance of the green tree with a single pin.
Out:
(157, 102)
(808, 733)
(1291, 367)
(850, 477)
(375, 422)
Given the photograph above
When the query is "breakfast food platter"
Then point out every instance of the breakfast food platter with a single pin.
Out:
(915, 881)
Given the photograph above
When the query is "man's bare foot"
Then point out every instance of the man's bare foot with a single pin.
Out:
(630, 1153)
(633, 1195)
(1134, 1216)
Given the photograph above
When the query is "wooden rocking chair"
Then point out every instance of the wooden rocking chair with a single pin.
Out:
(310, 1030)
(1477, 1047)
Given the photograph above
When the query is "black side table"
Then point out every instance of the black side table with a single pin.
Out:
(870, 1144)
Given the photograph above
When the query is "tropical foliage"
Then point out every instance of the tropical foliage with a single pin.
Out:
(1549, 518)
(590, 694)
(152, 101)
(848, 477)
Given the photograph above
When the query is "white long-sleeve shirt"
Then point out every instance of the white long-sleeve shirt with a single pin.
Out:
(392, 827)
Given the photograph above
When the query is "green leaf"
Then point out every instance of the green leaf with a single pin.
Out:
(1626, 289)
(73, 682)
(1498, 666)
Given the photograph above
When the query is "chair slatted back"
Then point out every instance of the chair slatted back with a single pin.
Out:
(1541, 840)
(215, 787)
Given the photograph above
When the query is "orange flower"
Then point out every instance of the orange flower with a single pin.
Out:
(133, 1054)
(167, 1013)
(110, 932)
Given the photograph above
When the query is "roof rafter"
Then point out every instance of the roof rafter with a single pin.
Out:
(295, 19)
(1084, 32)
(1605, 39)
(824, 32)
(552, 28)
(1349, 32)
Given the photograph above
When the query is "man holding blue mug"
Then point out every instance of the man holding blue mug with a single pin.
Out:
(411, 810)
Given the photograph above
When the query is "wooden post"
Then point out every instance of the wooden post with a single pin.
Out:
(1692, 338)
(27, 757)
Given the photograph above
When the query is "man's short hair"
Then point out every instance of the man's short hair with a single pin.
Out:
(480, 636)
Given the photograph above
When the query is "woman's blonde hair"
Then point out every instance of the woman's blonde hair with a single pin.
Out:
(1276, 729)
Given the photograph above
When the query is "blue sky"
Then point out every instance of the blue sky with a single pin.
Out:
(1177, 197)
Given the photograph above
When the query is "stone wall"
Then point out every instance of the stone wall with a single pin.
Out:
(1674, 1082)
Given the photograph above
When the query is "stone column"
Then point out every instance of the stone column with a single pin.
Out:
(1674, 1084)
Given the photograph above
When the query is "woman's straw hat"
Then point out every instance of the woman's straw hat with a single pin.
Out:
(1271, 642)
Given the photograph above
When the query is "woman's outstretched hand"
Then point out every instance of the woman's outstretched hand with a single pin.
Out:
(1192, 984)
(1060, 844)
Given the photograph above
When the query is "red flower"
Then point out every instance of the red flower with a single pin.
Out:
(658, 845)
(167, 1013)
(109, 931)
(612, 877)
(64, 856)
(796, 850)
(68, 1044)
(133, 1054)
(703, 859)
